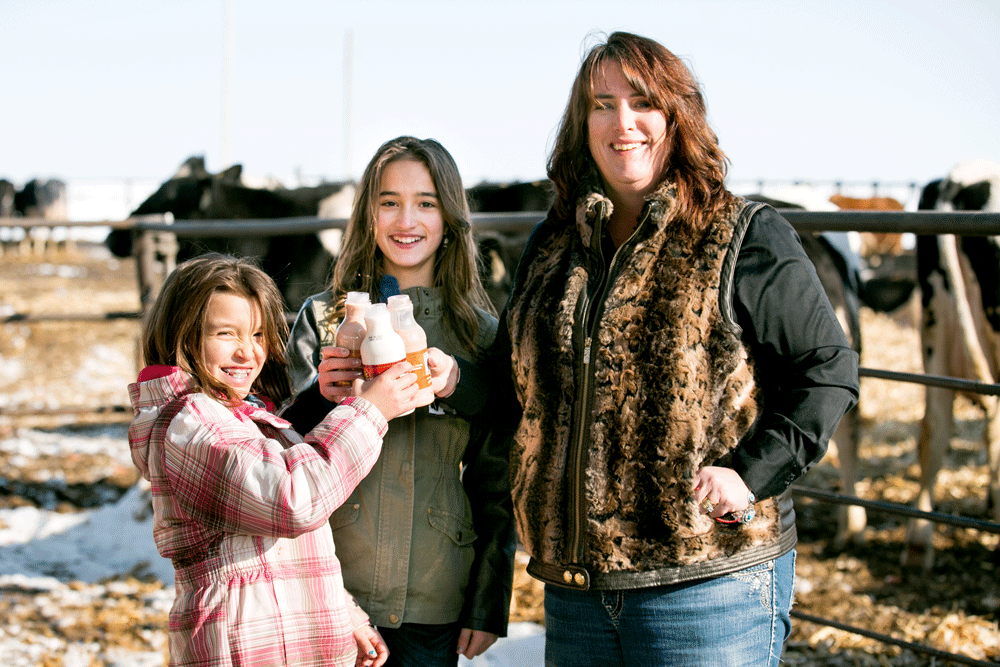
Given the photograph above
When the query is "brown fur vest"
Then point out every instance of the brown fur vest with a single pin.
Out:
(669, 388)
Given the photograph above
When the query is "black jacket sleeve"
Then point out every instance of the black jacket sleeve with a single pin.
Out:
(486, 480)
(308, 409)
(807, 370)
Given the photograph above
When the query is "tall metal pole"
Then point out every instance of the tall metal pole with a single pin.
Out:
(348, 94)
(227, 66)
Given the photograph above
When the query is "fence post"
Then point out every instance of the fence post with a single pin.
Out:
(156, 257)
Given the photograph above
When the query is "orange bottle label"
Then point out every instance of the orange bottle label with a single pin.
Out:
(418, 359)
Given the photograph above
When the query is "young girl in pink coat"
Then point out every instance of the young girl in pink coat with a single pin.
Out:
(241, 501)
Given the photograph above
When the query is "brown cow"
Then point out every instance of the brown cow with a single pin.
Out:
(873, 244)
(960, 333)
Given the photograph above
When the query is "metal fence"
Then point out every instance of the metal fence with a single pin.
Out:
(157, 241)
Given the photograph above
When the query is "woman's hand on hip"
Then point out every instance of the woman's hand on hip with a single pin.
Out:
(724, 490)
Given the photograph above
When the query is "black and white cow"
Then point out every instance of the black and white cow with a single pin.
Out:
(299, 263)
(42, 199)
(45, 199)
(499, 251)
(959, 279)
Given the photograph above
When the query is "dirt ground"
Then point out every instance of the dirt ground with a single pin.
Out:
(955, 607)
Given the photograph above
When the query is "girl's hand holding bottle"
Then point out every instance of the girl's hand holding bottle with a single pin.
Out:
(444, 372)
(337, 372)
(393, 391)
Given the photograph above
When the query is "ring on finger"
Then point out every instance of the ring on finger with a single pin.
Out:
(708, 506)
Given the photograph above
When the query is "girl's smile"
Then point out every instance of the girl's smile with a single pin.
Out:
(409, 226)
(233, 342)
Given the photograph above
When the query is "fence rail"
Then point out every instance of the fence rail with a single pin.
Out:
(963, 223)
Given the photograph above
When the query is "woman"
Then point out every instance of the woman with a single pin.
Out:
(426, 541)
(677, 366)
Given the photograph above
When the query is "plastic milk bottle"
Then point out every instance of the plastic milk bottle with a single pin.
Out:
(351, 332)
(382, 347)
(415, 342)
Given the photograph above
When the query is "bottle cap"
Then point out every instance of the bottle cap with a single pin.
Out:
(377, 312)
(358, 297)
(398, 301)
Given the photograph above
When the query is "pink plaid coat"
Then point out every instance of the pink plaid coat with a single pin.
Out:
(241, 505)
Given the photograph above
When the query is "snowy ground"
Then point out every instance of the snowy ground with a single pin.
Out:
(76, 562)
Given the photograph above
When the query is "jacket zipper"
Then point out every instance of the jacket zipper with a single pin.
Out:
(585, 398)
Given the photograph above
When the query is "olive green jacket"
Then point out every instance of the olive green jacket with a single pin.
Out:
(427, 537)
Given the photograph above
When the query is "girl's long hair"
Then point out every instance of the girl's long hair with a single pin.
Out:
(360, 265)
(172, 333)
(695, 163)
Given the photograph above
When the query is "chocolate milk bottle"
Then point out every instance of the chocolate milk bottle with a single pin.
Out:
(415, 342)
(351, 332)
(382, 347)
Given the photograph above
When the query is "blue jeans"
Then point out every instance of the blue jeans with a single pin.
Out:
(729, 621)
(417, 645)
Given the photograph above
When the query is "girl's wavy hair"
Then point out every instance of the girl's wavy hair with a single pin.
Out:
(695, 162)
(172, 333)
(360, 265)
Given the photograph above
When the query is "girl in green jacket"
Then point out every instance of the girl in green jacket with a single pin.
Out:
(426, 541)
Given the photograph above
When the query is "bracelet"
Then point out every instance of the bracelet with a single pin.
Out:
(742, 517)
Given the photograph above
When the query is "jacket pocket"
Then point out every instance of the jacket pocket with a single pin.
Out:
(455, 527)
(346, 514)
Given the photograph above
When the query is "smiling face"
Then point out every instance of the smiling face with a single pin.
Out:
(409, 226)
(233, 342)
(626, 134)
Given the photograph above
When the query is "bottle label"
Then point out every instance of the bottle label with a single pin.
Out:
(418, 359)
(374, 370)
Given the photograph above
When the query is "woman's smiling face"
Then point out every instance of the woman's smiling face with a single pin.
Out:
(626, 134)
(408, 226)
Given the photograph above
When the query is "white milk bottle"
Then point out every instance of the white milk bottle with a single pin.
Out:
(352, 330)
(382, 347)
(415, 342)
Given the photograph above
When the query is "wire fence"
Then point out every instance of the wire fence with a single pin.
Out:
(919, 222)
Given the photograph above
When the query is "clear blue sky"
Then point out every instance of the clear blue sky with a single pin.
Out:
(852, 89)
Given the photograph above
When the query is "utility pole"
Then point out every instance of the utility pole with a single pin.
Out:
(228, 56)
(348, 94)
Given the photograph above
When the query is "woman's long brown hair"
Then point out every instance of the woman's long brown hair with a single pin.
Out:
(695, 163)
